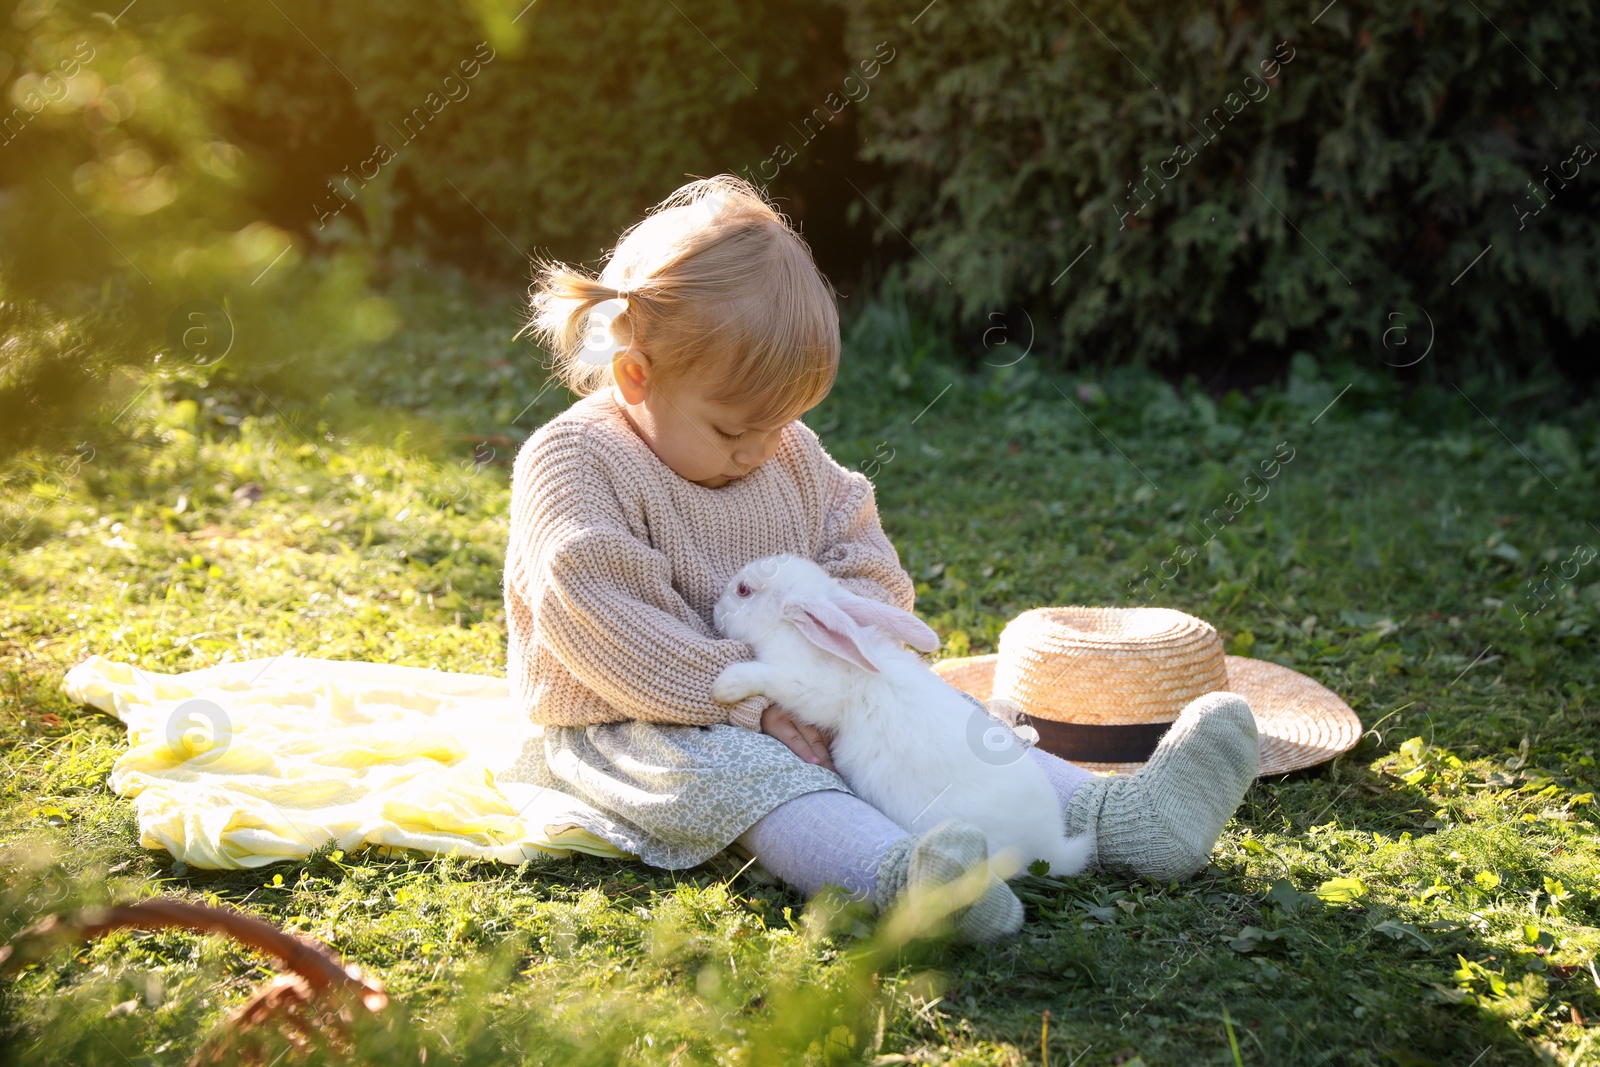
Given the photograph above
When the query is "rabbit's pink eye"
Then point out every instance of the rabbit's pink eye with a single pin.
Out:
(743, 590)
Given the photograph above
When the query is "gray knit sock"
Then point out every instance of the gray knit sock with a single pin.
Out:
(1163, 821)
(939, 856)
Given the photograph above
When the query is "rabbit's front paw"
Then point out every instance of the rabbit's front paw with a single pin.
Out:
(737, 681)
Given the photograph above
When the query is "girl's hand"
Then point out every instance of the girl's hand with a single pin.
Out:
(806, 741)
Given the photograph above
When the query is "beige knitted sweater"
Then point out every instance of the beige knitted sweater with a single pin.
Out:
(615, 562)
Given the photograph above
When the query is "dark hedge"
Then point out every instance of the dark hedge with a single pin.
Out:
(1183, 184)
(1241, 181)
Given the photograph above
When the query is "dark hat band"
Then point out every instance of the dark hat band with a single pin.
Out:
(1084, 743)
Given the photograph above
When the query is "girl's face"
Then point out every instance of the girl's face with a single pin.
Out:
(709, 444)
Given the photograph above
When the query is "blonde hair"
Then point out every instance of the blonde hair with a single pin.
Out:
(717, 290)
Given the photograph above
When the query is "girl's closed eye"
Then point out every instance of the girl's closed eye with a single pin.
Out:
(727, 436)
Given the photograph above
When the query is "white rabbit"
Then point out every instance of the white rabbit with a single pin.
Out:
(906, 741)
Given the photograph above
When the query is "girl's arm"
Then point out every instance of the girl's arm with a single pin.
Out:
(854, 549)
(592, 594)
(606, 608)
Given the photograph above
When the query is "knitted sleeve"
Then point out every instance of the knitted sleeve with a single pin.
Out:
(606, 609)
(854, 550)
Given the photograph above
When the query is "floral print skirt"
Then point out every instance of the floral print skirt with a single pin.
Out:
(674, 796)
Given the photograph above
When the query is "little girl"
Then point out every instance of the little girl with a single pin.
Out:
(706, 336)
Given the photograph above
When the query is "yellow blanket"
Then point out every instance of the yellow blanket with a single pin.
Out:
(250, 763)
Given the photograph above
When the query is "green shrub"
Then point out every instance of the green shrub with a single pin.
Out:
(268, 159)
(515, 129)
(1363, 179)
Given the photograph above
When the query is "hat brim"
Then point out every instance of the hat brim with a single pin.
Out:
(1301, 721)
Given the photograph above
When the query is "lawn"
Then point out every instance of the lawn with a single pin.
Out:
(1430, 897)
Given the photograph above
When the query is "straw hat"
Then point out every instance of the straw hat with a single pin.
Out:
(1101, 685)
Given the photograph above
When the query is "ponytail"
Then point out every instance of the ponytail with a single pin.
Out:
(568, 317)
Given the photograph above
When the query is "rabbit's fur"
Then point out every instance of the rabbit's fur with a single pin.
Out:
(906, 741)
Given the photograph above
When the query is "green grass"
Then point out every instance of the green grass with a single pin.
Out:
(1429, 898)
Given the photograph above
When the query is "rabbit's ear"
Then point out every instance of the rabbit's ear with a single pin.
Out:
(822, 623)
(901, 624)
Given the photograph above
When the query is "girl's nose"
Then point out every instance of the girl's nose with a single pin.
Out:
(748, 457)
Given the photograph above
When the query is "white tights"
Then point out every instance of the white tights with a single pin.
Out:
(833, 837)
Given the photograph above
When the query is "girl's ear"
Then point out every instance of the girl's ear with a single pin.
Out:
(822, 623)
(630, 371)
(895, 622)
